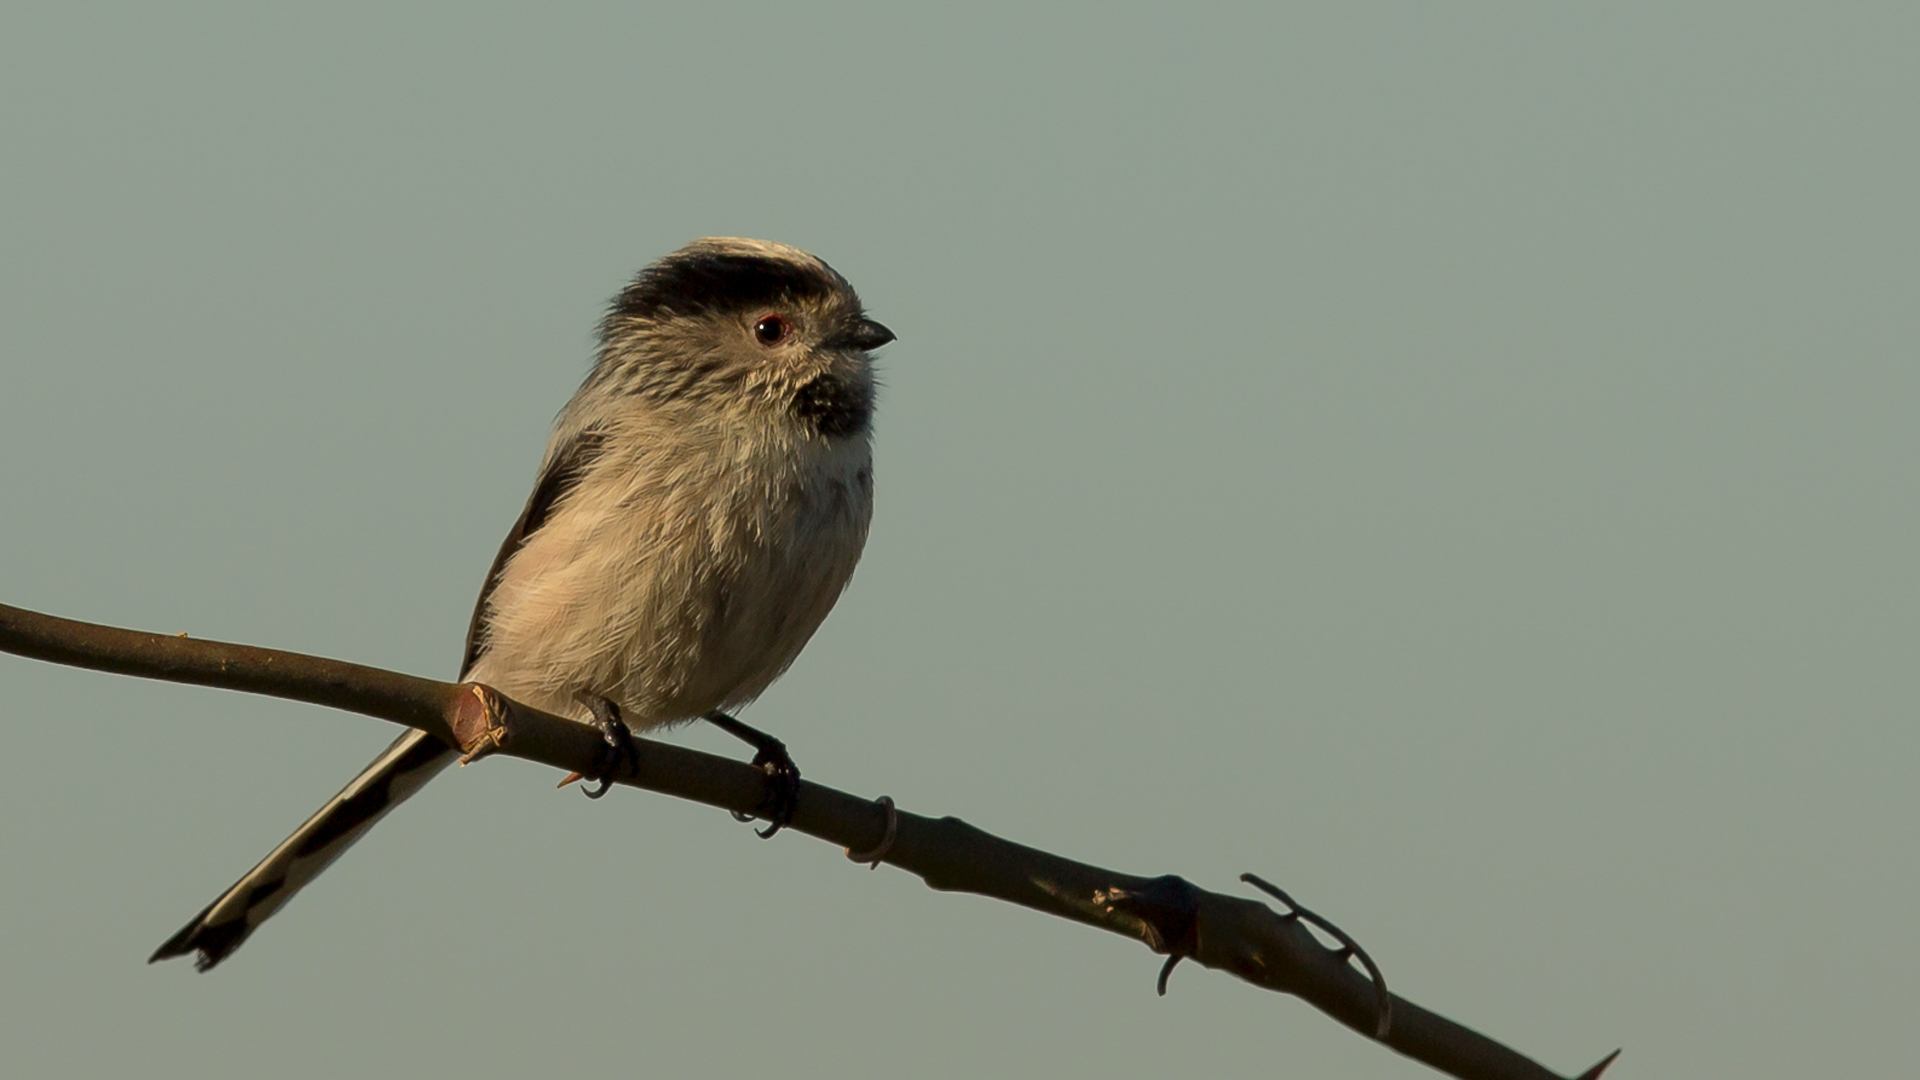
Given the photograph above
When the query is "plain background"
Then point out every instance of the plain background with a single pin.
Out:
(1456, 461)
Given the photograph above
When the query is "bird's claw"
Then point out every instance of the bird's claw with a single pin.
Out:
(783, 789)
(619, 750)
(782, 793)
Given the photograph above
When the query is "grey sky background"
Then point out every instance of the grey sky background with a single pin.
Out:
(1456, 461)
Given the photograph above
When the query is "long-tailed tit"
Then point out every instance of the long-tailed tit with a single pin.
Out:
(703, 501)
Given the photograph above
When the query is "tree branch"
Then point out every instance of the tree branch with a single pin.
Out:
(1240, 936)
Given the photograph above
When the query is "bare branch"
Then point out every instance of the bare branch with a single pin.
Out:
(1170, 916)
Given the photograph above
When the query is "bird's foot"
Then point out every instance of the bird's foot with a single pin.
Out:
(782, 796)
(783, 789)
(620, 754)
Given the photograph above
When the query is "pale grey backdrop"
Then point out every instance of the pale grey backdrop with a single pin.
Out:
(1456, 461)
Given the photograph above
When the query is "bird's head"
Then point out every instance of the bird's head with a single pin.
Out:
(748, 330)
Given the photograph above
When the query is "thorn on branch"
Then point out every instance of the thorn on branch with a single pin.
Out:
(1594, 1073)
(1382, 1001)
(1168, 908)
(872, 858)
(1166, 969)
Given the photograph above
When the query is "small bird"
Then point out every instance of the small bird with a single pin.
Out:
(703, 500)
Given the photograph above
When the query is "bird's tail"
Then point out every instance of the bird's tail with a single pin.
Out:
(412, 760)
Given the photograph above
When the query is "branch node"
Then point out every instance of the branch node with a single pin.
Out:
(1382, 1001)
(1167, 909)
(479, 722)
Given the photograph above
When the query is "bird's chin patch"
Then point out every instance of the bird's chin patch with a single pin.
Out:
(834, 405)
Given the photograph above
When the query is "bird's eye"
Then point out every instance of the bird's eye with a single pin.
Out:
(772, 330)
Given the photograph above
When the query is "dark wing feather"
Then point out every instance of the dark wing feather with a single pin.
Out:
(562, 475)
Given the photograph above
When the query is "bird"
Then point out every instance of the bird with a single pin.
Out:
(703, 500)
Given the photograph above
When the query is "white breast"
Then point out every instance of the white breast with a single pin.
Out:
(684, 574)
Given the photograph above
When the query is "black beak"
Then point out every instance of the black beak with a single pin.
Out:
(864, 335)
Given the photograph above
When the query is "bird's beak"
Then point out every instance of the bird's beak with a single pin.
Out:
(864, 335)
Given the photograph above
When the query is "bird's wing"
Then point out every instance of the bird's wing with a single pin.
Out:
(565, 467)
